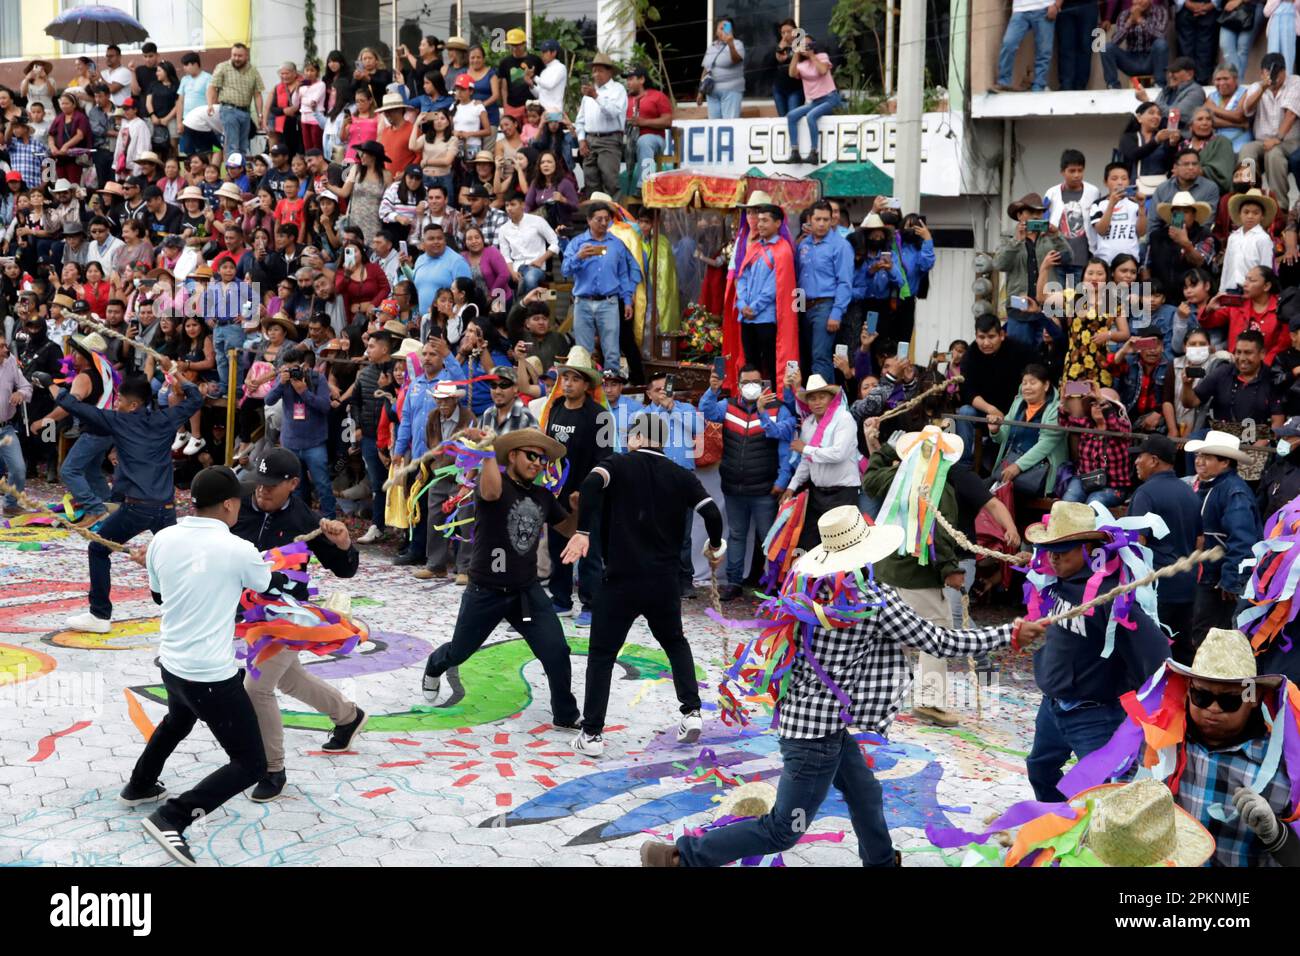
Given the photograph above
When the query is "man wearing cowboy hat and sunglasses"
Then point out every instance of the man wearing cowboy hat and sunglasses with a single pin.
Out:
(510, 512)
(865, 662)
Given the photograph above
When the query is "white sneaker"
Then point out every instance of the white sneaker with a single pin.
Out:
(688, 731)
(195, 445)
(88, 623)
(372, 535)
(430, 685)
(588, 746)
(181, 439)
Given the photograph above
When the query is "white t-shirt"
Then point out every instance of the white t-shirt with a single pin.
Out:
(1123, 235)
(1245, 251)
(200, 569)
(198, 120)
(467, 120)
(120, 75)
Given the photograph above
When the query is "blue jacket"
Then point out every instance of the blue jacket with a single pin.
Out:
(1129, 384)
(1069, 665)
(825, 270)
(310, 431)
(756, 289)
(1168, 496)
(418, 404)
(614, 273)
(143, 440)
(918, 260)
(1230, 517)
(877, 285)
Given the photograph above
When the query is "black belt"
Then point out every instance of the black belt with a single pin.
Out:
(599, 298)
(824, 298)
(244, 109)
(150, 502)
(614, 133)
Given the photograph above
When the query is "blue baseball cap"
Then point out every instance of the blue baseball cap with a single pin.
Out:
(552, 45)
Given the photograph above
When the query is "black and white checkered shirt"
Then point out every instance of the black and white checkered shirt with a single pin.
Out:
(869, 663)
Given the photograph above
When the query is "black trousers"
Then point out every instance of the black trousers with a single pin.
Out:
(1178, 618)
(618, 604)
(530, 613)
(820, 501)
(1210, 610)
(759, 343)
(224, 706)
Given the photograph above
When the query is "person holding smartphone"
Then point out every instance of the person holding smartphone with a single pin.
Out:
(722, 84)
(813, 68)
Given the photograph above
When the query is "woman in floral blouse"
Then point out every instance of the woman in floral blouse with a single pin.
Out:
(1092, 316)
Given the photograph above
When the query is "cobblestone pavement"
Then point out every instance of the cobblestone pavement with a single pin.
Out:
(482, 779)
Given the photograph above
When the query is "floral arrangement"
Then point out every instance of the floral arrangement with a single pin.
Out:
(701, 335)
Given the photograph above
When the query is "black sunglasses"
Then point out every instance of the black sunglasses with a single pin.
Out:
(503, 386)
(535, 456)
(1229, 702)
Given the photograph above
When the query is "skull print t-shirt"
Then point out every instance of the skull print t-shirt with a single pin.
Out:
(506, 532)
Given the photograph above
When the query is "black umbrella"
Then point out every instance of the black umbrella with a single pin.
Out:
(96, 25)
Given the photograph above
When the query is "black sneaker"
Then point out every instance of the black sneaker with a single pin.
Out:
(574, 724)
(341, 739)
(170, 839)
(728, 592)
(269, 787)
(407, 558)
(133, 796)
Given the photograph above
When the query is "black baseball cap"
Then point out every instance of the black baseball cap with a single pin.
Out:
(277, 465)
(279, 150)
(635, 71)
(1161, 447)
(214, 485)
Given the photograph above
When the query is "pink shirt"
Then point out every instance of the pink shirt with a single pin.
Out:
(815, 85)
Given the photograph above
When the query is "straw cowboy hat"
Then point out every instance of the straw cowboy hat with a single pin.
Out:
(748, 800)
(483, 156)
(602, 59)
(873, 221)
(817, 384)
(339, 345)
(63, 301)
(757, 198)
(408, 348)
(1068, 523)
(230, 191)
(527, 438)
(579, 360)
(1255, 196)
(94, 342)
(1225, 657)
(395, 328)
(1138, 824)
(282, 319)
(113, 188)
(201, 271)
(1185, 200)
(61, 185)
(45, 64)
(1218, 443)
(149, 156)
(848, 543)
(951, 445)
(456, 43)
(192, 192)
(1031, 201)
(392, 101)
(445, 389)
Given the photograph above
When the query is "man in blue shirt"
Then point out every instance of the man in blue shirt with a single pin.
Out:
(683, 444)
(143, 483)
(756, 300)
(824, 264)
(439, 365)
(914, 250)
(879, 277)
(605, 276)
(437, 268)
(1163, 493)
(755, 467)
(621, 406)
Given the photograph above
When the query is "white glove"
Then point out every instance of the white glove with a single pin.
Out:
(1257, 814)
(710, 553)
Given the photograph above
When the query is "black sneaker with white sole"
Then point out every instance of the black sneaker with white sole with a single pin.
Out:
(574, 724)
(170, 839)
(341, 739)
(431, 686)
(133, 796)
(269, 787)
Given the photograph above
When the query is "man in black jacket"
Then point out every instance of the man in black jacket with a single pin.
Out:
(366, 406)
(1281, 479)
(991, 372)
(36, 352)
(270, 516)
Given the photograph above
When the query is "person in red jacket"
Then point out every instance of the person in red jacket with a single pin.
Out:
(1256, 309)
(362, 283)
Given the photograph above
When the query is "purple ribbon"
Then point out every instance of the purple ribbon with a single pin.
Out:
(1016, 815)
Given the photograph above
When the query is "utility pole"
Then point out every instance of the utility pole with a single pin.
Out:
(911, 102)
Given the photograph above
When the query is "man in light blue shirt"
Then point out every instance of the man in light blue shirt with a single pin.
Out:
(684, 443)
(605, 276)
(621, 406)
(824, 265)
(437, 268)
(193, 89)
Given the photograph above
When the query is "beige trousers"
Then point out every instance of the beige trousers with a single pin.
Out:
(286, 673)
(931, 688)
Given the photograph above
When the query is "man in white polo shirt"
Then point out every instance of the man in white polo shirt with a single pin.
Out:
(197, 572)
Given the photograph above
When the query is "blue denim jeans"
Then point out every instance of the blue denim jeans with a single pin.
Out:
(15, 466)
(591, 570)
(648, 146)
(530, 277)
(1059, 733)
(592, 317)
(966, 432)
(121, 526)
(747, 516)
(224, 338)
(725, 105)
(813, 111)
(1107, 496)
(822, 341)
(1074, 26)
(377, 474)
(1236, 46)
(316, 464)
(1044, 31)
(811, 767)
(1029, 331)
(1281, 34)
(83, 471)
(235, 125)
(785, 102)
(1113, 59)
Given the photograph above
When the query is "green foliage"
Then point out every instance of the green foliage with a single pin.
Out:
(854, 23)
(573, 51)
(309, 31)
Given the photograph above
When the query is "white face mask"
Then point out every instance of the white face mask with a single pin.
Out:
(750, 391)
(1283, 448)
(1198, 354)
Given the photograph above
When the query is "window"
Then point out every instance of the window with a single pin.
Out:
(488, 21)
(173, 24)
(754, 23)
(11, 30)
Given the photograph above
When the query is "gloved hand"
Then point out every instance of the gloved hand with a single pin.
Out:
(1257, 814)
(42, 379)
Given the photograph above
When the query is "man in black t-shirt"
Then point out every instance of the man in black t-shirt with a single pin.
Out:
(643, 499)
(161, 218)
(517, 72)
(509, 514)
(588, 434)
